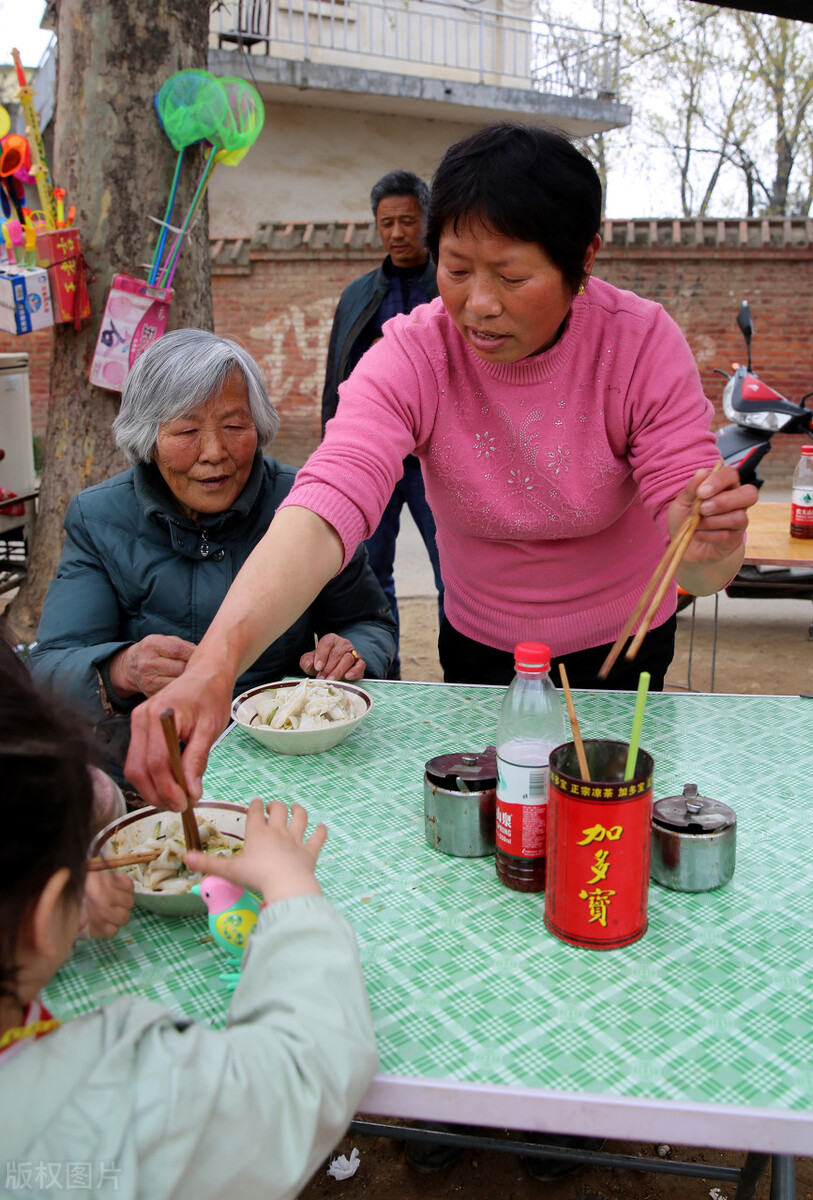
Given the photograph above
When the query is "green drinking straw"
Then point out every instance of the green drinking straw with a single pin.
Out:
(637, 722)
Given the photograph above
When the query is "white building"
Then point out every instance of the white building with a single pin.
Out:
(355, 88)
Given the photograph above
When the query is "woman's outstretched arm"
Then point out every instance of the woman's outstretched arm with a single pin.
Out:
(287, 570)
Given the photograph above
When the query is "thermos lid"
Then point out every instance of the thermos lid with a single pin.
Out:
(691, 813)
(464, 771)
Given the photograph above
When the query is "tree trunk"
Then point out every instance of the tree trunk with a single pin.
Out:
(116, 163)
(778, 206)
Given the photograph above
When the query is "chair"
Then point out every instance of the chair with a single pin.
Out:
(251, 25)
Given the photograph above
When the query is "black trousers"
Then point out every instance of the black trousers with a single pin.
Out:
(466, 661)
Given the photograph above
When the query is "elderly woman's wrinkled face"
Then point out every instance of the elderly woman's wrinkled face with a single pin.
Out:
(205, 456)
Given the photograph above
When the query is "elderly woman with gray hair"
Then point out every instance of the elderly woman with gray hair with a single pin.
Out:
(150, 554)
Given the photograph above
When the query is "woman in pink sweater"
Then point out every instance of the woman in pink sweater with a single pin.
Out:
(563, 435)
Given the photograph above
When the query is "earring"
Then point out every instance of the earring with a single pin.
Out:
(582, 289)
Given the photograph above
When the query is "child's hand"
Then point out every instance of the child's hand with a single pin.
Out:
(106, 904)
(275, 860)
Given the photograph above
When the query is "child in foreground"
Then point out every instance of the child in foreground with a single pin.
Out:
(159, 1106)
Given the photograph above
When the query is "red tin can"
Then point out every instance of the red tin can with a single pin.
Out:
(599, 842)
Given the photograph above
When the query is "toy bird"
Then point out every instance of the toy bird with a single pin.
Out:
(232, 917)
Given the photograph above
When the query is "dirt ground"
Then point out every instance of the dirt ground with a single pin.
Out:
(763, 647)
(383, 1174)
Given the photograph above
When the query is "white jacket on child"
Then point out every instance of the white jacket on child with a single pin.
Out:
(165, 1109)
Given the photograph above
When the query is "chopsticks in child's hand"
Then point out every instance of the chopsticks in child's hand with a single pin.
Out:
(574, 724)
(121, 860)
(191, 832)
(655, 590)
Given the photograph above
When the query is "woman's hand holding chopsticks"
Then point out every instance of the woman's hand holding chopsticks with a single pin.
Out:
(705, 549)
(717, 546)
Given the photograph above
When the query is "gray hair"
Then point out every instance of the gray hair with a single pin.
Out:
(400, 183)
(178, 372)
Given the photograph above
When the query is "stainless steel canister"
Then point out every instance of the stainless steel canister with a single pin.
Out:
(694, 842)
(460, 802)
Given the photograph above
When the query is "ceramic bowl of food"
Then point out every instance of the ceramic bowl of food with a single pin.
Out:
(301, 716)
(162, 885)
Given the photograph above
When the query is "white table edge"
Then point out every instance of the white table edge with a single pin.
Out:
(722, 1127)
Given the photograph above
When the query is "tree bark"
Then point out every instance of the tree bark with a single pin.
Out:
(116, 163)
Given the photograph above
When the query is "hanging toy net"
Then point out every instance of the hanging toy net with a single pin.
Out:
(196, 106)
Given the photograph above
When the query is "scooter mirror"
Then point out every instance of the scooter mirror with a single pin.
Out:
(744, 321)
(746, 327)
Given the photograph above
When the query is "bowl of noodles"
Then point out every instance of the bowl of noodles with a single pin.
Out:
(162, 885)
(301, 716)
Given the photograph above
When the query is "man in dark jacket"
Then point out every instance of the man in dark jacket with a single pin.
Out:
(405, 279)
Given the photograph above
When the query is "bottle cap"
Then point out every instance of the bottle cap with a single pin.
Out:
(807, 450)
(533, 655)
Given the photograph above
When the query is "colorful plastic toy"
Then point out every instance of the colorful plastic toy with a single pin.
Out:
(39, 163)
(232, 916)
(176, 104)
(195, 106)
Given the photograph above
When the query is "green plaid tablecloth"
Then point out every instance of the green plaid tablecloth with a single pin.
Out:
(713, 1006)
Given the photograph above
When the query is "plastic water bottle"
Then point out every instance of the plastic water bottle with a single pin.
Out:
(531, 724)
(801, 507)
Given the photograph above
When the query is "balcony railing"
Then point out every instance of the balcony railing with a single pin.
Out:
(428, 38)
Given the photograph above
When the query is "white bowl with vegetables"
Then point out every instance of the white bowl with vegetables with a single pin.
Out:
(162, 885)
(301, 716)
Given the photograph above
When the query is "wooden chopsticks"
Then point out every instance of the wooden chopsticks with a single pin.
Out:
(191, 832)
(121, 860)
(655, 590)
(574, 723)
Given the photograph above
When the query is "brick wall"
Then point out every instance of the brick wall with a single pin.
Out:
(701, 272)
(282, 312)
(277, 295)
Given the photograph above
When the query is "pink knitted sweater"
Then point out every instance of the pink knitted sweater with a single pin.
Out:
(548, 478)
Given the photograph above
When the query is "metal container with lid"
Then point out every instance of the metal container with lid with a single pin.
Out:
(694, 842)
(460, 802)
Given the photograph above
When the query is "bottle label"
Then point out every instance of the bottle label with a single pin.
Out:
(801, 507)
(522, 809)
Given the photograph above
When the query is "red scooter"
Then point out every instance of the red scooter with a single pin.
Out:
(756, 412)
